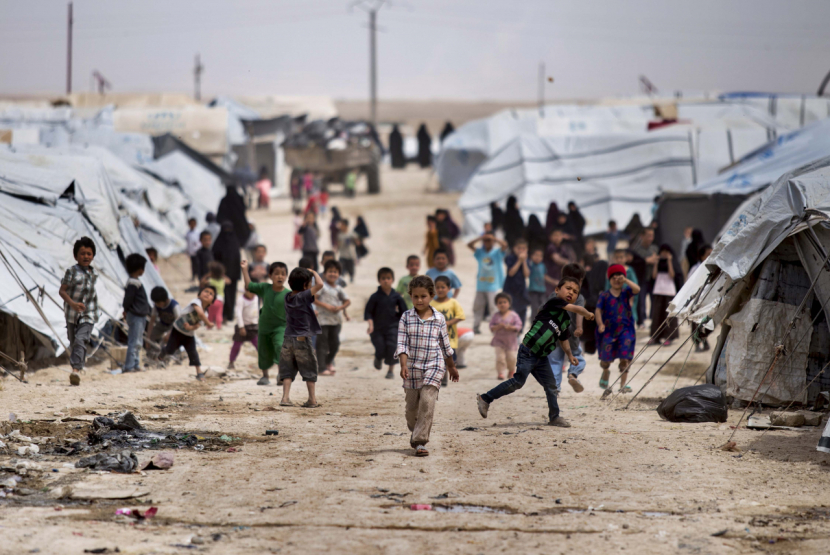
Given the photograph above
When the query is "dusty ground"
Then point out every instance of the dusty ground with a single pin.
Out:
(341, 478)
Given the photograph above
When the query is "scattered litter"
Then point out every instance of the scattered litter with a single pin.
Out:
(272, 432)
(28, 450)
(124, 462)
(729, 446)
(558, 501)
(102, 550)
(93, 493)
(470, 429)
(288, 504)
(445, 495)
(232, 450)
(135, 513)
(419, 507)
(373, 414)
(719, 534)
(161, 461)
(392, 434)
(227, 438)
(764, 422)
(462, 508)
(12, 417)
(125, 422)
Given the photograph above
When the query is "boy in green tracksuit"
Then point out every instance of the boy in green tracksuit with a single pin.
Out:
(272, 320)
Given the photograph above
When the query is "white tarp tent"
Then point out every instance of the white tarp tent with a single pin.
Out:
(757, 277)
(722, 132)
(609, 177)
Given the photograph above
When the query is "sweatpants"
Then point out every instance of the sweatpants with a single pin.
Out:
(251, 334)
(505, 361)
(135, 339)
(177, 340)
(385, 343)
(420, 412)
(328, 343)
(483, 299)
(215, 313)
(347, 264)
(79, 335)
(269, 347)
(529, 364)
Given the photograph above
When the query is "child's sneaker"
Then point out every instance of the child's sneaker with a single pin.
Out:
(483, 406)
(74, 378)
(263, 381)
(559, 422)
(390, 374)
(230, 366)
(574, 383)
(378, 363)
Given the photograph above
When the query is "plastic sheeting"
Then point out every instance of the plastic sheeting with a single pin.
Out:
(609, 177)
(762, 167)
(202, 187)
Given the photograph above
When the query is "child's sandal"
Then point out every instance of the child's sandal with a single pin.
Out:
(421, 451)
(603, 384)
(626, 389)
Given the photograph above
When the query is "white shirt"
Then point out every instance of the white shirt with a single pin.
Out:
(193, 243)
(247, 311)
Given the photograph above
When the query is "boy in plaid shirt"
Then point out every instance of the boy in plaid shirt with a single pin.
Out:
(80, 304)
(423, 350)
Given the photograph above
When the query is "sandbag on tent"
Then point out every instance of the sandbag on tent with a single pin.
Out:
(697, 403)
(609, 177)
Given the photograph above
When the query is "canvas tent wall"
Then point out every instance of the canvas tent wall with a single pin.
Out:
(609, 177)
(757, 279)
(722, 132)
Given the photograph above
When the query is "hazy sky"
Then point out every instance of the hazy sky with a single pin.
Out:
(452, 49)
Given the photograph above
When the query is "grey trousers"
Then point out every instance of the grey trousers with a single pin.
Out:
(420, 410)
(79, 335)
(482, 299)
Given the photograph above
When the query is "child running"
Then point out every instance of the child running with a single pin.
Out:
(247, 324)
(451, 309)
(80, 304)
(297, 355)
(506, 326)
(383, 312)
(272, 319)
(183, 334)
(413, 266)
(330, 302)
(615, 327)
(550, 327)
(136, 310)
(164, 315)
(423, 348)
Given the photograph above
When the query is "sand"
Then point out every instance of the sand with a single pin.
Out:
(341, 478)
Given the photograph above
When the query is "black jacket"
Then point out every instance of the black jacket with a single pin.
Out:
(385, 310)
(135, 299)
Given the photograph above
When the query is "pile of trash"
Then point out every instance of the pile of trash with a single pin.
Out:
(334, 134)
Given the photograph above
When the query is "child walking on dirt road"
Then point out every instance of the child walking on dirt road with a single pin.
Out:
(80, 304)
(550, 327)
(272, 319)
(297, 355)
(425, 354)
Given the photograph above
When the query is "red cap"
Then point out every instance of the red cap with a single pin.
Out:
(616, 269)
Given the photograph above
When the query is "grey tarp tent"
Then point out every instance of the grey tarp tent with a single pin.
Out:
(757, 277)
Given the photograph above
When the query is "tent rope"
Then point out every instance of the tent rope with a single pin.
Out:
(658, 371)
(682, 368)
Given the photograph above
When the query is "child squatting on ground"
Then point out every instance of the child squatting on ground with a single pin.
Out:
(164, 315)
(550, 327)
(136, 310)
(272, 320)
(383, 312)
(297, 353)
(615, 326)
(424, 351)
(183, 334)
(80, 304)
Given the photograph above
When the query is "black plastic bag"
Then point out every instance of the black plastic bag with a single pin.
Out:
(698, 403)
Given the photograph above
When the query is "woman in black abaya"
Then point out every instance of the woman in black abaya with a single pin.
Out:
(514, 226)
(424, 147)
(396, 148)
(226, 250)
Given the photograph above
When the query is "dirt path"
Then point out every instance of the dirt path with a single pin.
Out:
(341, 478)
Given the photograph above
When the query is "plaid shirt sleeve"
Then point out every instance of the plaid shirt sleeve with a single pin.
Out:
(402, 348)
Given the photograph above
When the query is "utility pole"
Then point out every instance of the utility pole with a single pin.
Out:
(69, 22)
(372, 7)
(198, 68)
